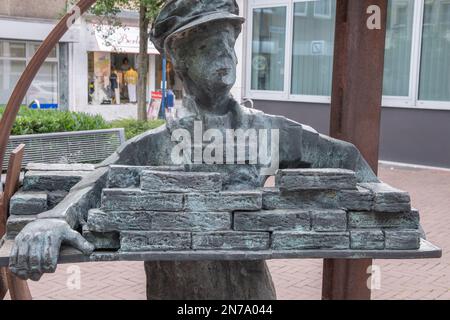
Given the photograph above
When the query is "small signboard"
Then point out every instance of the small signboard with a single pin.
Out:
(155, 105)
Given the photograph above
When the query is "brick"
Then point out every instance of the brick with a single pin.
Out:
(376, 220)
(15, 224)
(180, 181)
(248, 177)
(274, 199)
(59, 167)
(367, 239)
(192, 221)
(28, 203)
(224, 201)
(231, 241)
(310, 241)
(360, 199)
(101, 221)
(133, 241)
(402, 239)
(321, 179)
(51, 180)
(388, 199)
(272, 220)
(55, 197)
(130, 177)
(137, 200)
(103, 240)
(329, 220)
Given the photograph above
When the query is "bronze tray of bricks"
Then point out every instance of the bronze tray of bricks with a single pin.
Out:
(69, 255)
(310, 213)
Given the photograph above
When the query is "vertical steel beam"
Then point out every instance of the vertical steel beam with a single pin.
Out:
(18, 289)
(355, 115)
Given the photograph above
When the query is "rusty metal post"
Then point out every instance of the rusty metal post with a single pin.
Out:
(22, 86)
(356, 114)
(18, 289)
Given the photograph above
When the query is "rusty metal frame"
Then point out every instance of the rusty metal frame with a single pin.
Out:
(18, 289)
(355, 117)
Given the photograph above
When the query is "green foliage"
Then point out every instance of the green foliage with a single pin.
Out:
(31, 121)
(110, 8)
(135, 127)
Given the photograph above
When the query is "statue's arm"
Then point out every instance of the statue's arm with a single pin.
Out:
(36, 248)
(322, 151)
(303, 147)
(87, 193)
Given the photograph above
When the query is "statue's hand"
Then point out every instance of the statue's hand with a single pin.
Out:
(36, 248)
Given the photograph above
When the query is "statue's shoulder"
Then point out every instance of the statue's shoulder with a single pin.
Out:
(259, 118)
(135, 143)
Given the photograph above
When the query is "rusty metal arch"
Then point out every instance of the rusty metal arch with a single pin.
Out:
(22, 86)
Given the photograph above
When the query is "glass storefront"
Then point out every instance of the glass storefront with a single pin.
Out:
(268, 48)
(417, 56)
(173, 81)
(112, 78)
(14, 57)
(435, 58)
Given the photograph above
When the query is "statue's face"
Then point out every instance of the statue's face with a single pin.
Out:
(206, 60)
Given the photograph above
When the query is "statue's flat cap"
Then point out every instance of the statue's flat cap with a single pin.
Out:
(178, 16)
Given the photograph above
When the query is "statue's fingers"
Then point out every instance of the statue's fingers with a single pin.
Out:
(50, 251)
(76, 240)
(35, 258)
(22, 266)
(34, 254)
(13, 258)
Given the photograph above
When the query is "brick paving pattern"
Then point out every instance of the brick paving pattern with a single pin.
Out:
(297, 279)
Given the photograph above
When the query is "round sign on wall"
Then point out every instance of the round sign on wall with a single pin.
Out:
(259, 63)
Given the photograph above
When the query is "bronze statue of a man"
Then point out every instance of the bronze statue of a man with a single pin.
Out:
(199, 36)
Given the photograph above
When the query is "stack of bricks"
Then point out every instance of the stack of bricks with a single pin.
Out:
(168, 209)
(44, 186)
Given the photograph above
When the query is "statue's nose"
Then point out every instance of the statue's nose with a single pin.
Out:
(223, 71)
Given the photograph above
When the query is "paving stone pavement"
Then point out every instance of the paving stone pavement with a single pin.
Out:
(296, 279)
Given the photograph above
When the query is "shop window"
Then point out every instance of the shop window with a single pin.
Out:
(312, 50)
(324, 9)
(173, 82)
(10, 49)
(268, 49)
(10, 72)
(397, 65)
(35, 46)
(44, 87)
(435, 57)
(112, 78)
(14, 57)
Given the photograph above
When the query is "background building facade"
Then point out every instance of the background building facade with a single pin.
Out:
(289, 59)
(285, 65)
(23, 26)
(80, 65)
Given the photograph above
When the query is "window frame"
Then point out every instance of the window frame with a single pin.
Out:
(28, 56)
(266, 94)
(411, 101)
(320, 15)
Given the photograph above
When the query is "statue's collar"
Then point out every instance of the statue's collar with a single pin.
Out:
(190, 112)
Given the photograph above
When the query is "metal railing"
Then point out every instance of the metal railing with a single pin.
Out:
(68, 147)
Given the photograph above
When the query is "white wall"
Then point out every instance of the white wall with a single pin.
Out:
(238, 88)
(78, 69)
(31, 29)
